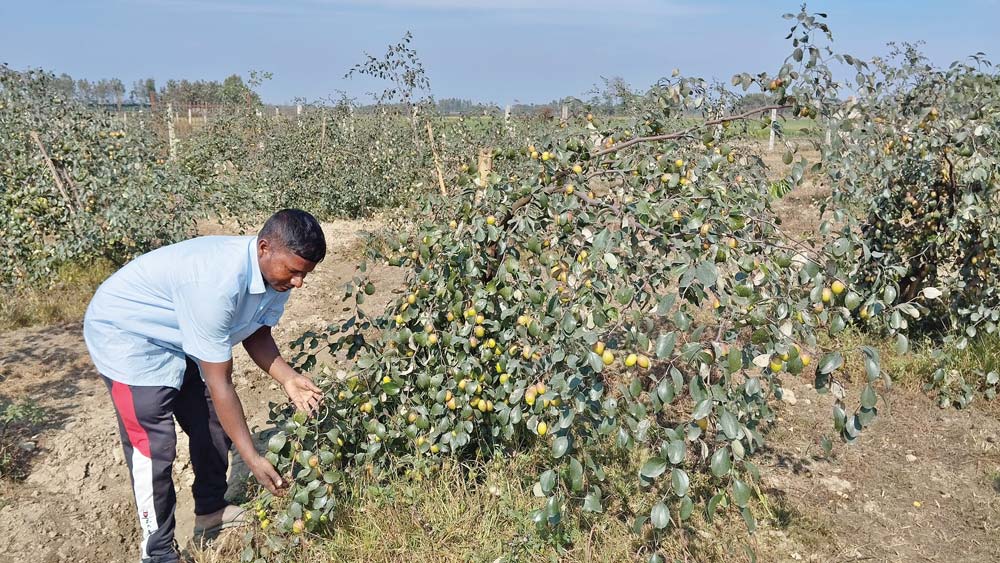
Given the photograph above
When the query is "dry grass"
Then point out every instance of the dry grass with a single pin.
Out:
(482, 512)
(65, 299)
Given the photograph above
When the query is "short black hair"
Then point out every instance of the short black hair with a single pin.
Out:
(297, 231)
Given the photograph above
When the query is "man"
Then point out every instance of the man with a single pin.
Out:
(161, 332)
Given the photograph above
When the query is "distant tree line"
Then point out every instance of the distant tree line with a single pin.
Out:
(181, 93)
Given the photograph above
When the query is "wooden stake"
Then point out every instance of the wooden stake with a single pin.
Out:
(437, 160)
(322, 132)
(171, 138)
(56, 175)
(774, 118)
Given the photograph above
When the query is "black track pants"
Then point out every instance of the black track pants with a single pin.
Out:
(146, 422)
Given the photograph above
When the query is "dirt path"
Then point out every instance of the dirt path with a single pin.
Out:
(859, 506)
(923, 484)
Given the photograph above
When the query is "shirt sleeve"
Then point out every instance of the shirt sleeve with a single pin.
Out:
(204, 316)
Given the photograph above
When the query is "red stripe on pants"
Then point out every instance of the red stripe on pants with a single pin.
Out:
(121, 394)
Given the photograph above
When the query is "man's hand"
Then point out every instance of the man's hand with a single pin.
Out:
(265, 474)
(303, 393)
(264, 352)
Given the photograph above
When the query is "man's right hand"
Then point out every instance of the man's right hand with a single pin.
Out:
(265, 474)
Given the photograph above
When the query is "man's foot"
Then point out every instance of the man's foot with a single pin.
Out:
(208, 526)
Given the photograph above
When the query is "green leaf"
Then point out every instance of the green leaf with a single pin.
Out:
(575, 475)
(548, 481)
(741, 493)
(889, 295)
(902, 344)
(721, 462)
(660, 516)
(653, 468)
(680, 482)
(827, 445)
(748, 517)
(277, 442)
(592, 502)
(702, 409)
(665, 345)
(687, 508)
(713, 504)
(595, 362)
(868, 397)
(830, 363)
(729, 424)
(735, 359)
(611, 260)
(560, 446)
(675, 451)
(666, 304)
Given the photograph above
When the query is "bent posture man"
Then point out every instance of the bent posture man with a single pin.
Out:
(161, 332)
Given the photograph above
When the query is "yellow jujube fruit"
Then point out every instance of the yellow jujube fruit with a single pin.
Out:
(631, 360)
(838, 287)
(643, 362)
(827, 295)
(607, 357)
(529, 396)
(542, 428)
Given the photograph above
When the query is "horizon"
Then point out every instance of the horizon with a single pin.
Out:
(477, 51)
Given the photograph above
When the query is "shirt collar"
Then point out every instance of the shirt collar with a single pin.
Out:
(256, 279)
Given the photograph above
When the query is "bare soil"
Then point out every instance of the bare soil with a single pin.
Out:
(922, 485)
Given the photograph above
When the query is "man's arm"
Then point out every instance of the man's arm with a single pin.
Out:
(219, 380)
(264, 352)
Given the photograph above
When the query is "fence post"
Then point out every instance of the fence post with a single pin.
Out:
(189, 115)
(204, 115)
(322, 131)
(774, 118)
(171, 138)
(565, 113)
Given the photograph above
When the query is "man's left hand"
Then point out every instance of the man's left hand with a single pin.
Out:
(303, 393)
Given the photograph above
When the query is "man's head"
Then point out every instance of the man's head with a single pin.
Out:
(289, 246)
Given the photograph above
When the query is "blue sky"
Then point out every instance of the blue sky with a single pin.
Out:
(501, 52)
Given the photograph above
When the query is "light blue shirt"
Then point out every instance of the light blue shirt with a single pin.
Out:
(196, 298)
